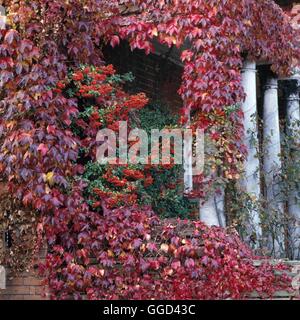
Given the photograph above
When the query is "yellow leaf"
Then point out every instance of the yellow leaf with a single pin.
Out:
(110, 254)
(50, 178)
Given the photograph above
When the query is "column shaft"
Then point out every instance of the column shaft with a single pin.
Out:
(188, 158)
(251, 178)
(212, 210)
(208, 213)
(272, 148)
(272, 168)
(293, 130)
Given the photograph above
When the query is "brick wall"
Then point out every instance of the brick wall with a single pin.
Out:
(155, 74)
(25, 286)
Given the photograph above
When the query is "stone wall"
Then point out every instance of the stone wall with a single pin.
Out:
(294, 274)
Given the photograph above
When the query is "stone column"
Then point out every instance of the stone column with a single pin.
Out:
(293, 131)
(2, 278)
(272, 166)
(211, 208)
(188, 157)
(212, 211)
(208, 212)
(250, 181)
(219, 200)
(2, 17)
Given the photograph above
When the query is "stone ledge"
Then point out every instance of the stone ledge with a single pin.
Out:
(293, 273)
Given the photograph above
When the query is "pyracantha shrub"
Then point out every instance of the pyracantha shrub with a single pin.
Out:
(160, 186)
(166, 193)
(39, 152)
(103, 104)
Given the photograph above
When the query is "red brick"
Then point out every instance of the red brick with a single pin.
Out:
(32, 281)
(17, 290)
(33, 297)
(15, 282)
(12, 297)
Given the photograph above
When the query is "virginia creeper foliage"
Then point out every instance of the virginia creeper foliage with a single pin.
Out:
(39, 151)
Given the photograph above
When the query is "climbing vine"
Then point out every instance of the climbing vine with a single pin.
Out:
(40, 151)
